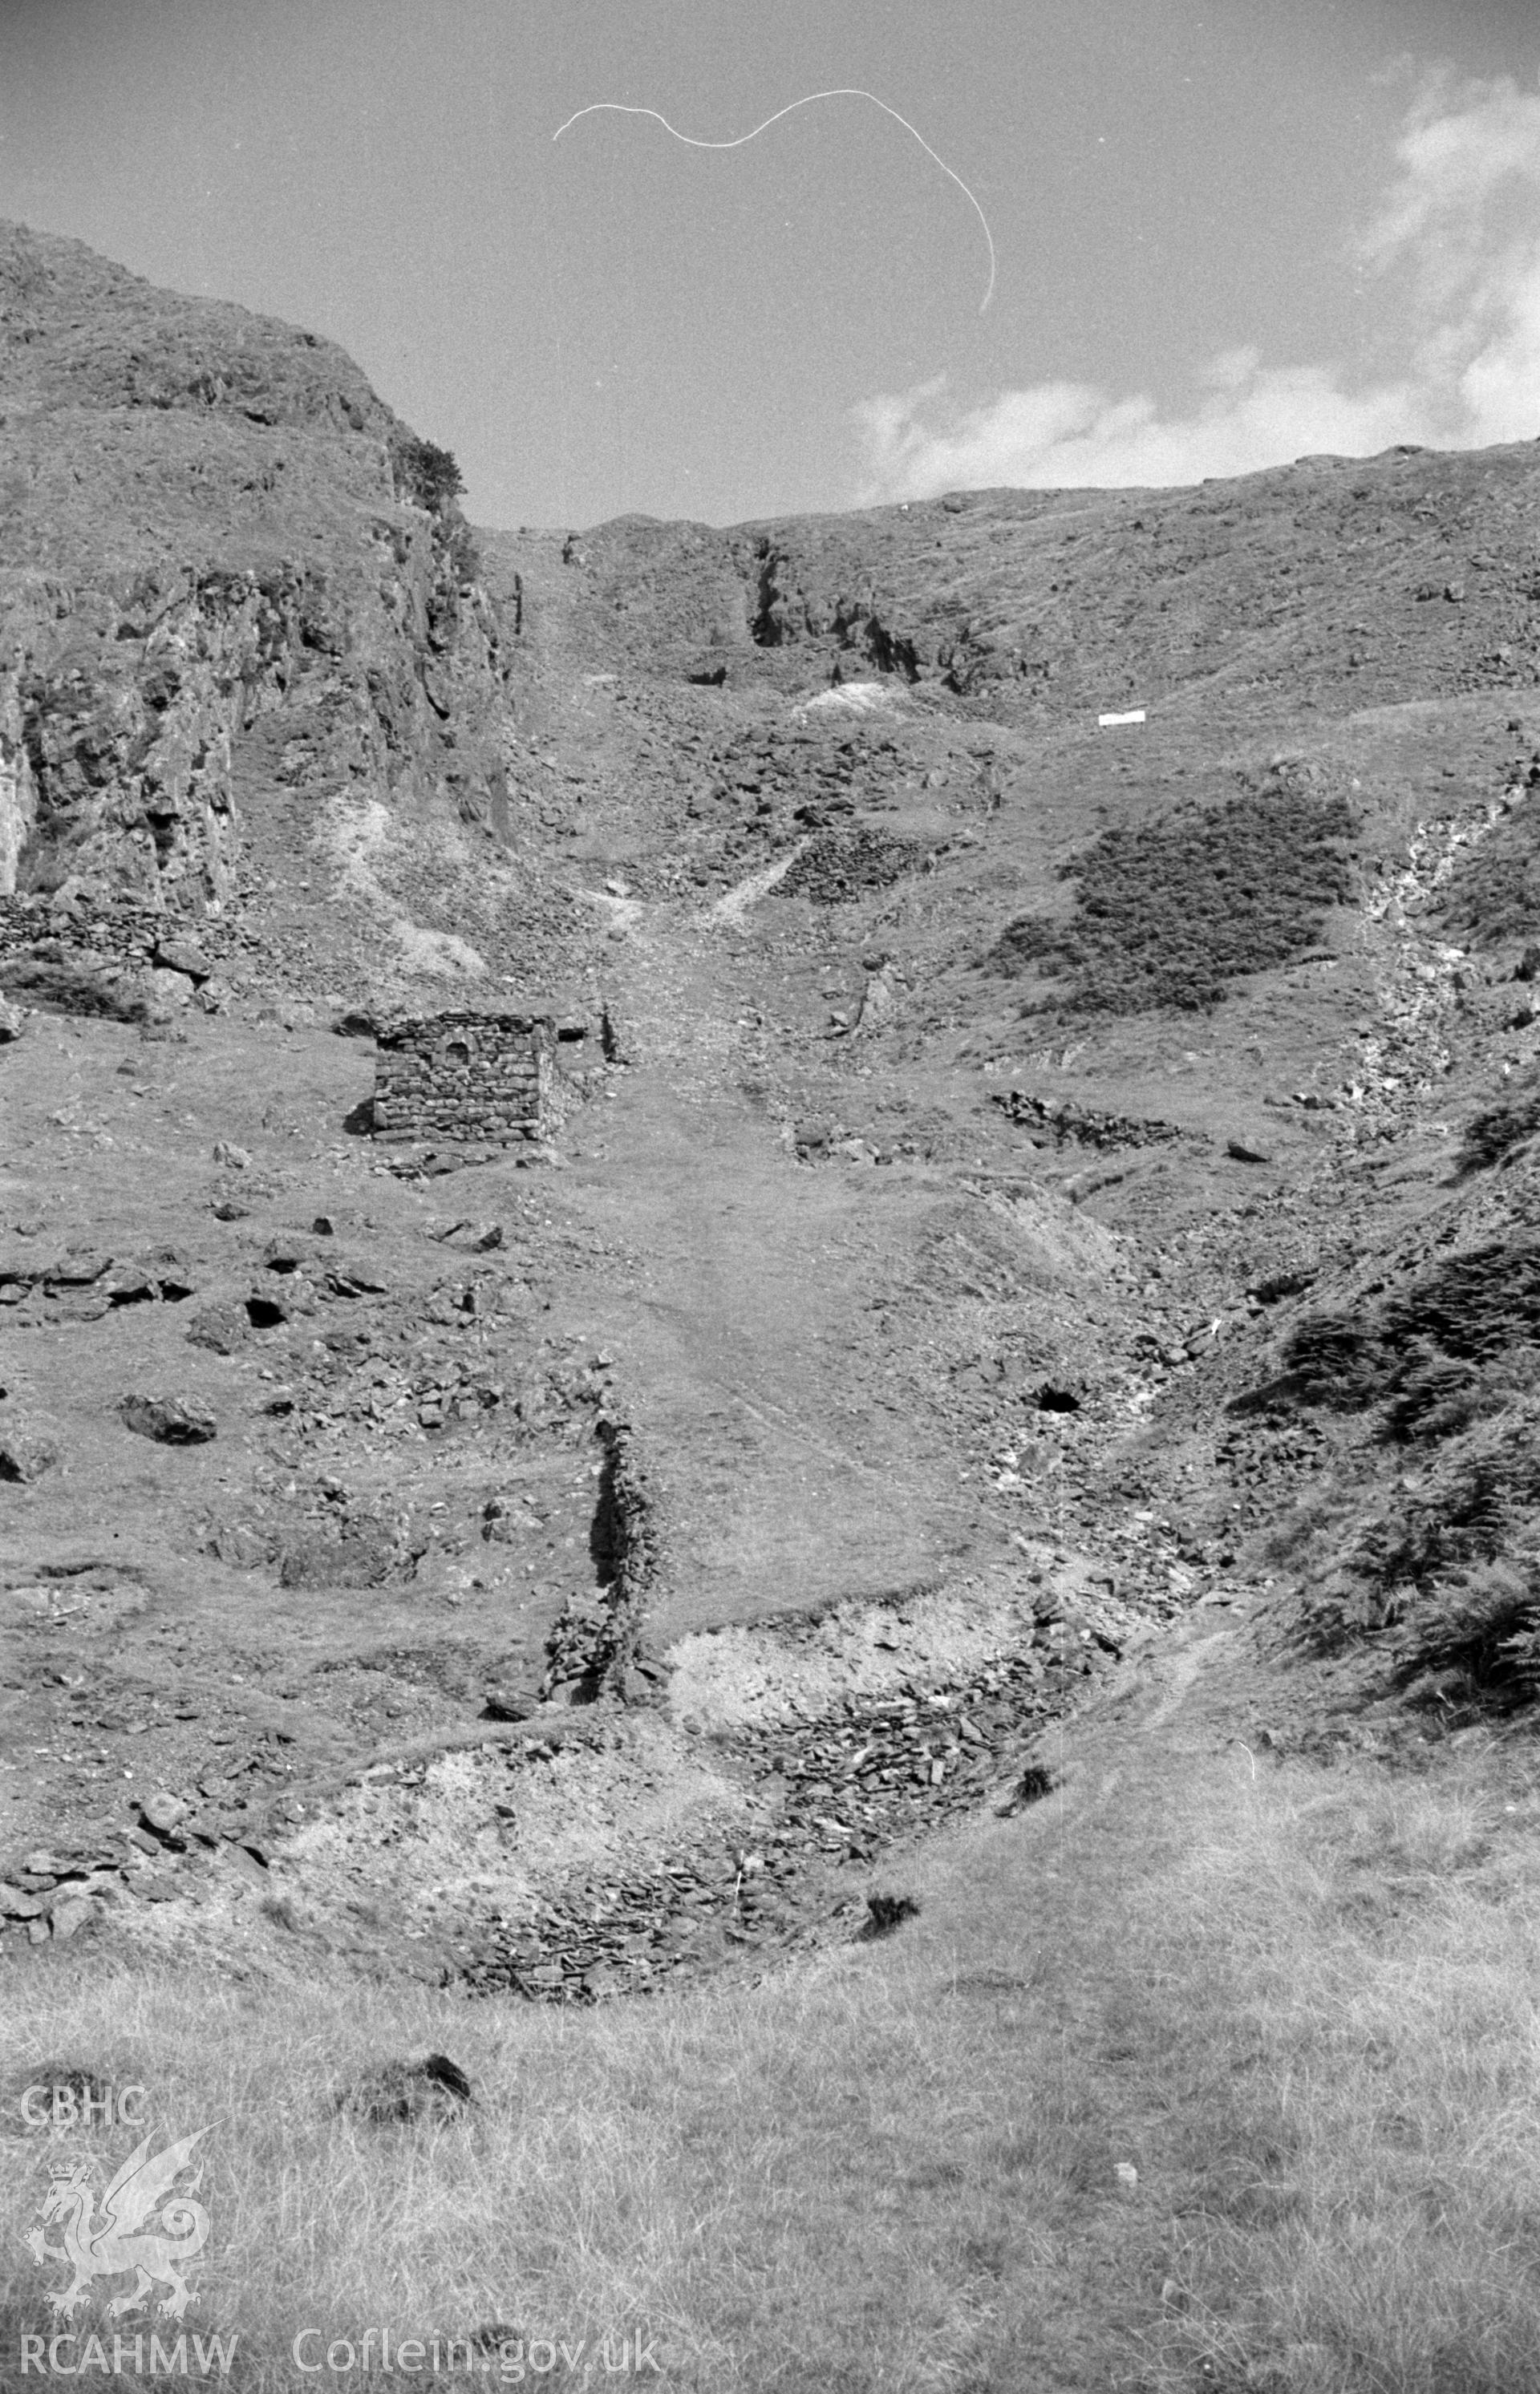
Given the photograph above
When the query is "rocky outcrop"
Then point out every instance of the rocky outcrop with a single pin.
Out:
(17, 790)
(78, 331)
(230, 582)
(1040, 606)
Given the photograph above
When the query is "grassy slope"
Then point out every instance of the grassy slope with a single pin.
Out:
(1298, 2006)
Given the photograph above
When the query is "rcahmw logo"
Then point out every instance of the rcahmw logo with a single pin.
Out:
(143, 2230)
(75, 2104)
(121, 2355)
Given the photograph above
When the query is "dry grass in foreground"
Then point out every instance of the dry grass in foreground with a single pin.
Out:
(1304, 2006)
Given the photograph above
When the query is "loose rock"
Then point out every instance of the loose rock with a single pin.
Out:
(24, 1455)
(168, 1420)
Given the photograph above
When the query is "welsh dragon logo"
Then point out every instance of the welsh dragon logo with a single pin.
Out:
(113, 2243)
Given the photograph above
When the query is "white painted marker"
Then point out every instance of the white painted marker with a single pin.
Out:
(1135, 716)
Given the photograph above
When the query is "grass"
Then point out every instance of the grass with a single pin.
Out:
(1170, 913)
(1304, 2007)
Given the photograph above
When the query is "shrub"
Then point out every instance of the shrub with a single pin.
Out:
(1475, 1637)
(1490, 1136)
(426, 474)
(1170, 913)
(1451, 1566)
(1493, 896)
(1467, 1516)
(1456, 1342)
(1434, 1569)
(1335, 1363)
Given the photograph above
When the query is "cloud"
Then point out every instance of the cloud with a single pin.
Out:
(1458, 226)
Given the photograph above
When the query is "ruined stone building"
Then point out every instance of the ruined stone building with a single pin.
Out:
(470, 1076)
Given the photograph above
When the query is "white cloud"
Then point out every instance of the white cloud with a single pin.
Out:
(1459, 225)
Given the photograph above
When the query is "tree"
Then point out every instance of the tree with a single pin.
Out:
(425, 473)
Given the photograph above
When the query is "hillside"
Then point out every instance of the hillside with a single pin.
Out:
(1022, 1181)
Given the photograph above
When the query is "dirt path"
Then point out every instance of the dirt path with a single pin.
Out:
(742, 1352)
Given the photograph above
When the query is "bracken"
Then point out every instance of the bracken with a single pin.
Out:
(1170, 913)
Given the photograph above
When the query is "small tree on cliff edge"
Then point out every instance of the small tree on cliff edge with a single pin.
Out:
(425, 473)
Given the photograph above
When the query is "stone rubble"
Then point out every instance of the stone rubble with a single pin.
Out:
(1062, 1122)
(838, 1794)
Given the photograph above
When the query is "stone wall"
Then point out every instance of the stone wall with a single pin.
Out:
(1063, 1121)
(471, 1076)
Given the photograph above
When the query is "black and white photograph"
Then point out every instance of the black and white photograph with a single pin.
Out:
(769, 1196)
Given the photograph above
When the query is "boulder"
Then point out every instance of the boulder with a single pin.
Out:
(168, 1420)
(76, 1861)
(310, 1559)
(181, 957)
(878, 1002)
(25, 1455)
(171, 1273)
(243, 1547)
(11, 1021)
(163, 1811)
(224, 1329)
(504, 1704)
(351, 1276)
(287, 1254)
(77, 1268)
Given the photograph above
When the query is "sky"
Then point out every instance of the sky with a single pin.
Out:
(1226, 232)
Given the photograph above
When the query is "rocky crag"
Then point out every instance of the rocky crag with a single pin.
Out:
(237, 599)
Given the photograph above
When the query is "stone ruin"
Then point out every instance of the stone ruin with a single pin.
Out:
(466, 1076)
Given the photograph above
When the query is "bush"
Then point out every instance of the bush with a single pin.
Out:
(1490, 1136)
(1335, 1363)
(1475, 1639)
(1434, 1567)
(426, 474)
(1170, 913)
(1470, 1324)
(1493, 896)
(1470, 1514)
(1450, 1565)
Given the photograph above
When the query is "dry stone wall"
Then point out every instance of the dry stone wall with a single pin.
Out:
(1063, 1121)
